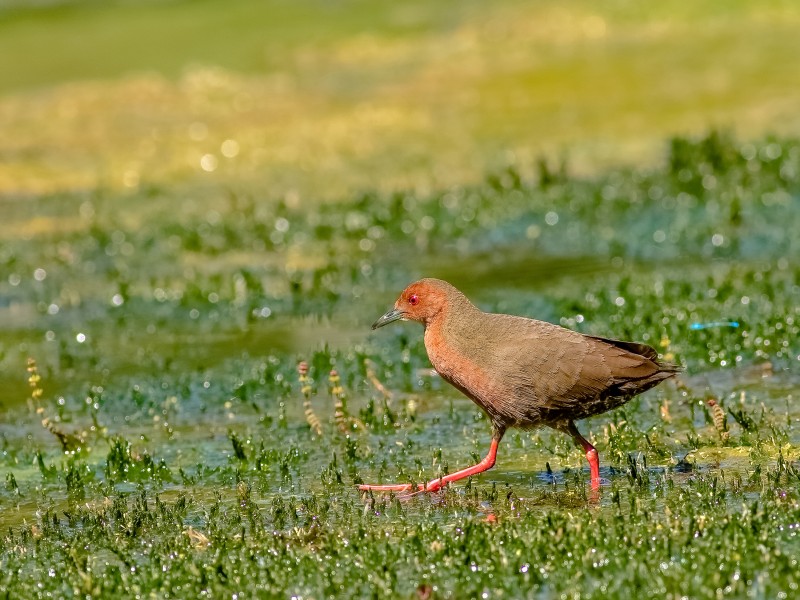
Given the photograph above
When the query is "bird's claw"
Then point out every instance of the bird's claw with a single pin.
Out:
(433, 486)
(404, 489)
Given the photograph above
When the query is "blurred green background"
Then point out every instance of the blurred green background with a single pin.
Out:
(318, 99)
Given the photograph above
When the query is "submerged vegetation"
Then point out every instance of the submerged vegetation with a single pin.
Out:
(166, 440)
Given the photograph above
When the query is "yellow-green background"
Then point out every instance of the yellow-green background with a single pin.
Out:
(328, 98)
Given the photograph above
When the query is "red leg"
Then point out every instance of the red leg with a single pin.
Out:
(591, 453)
(438, 483)
(594, 466)
(486, 464)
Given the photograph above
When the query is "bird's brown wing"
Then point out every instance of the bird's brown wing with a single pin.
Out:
(552, 373)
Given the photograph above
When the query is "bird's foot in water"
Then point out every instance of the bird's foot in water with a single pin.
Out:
(406, 490)
(595, 489)
(435, 485)
(401, 487)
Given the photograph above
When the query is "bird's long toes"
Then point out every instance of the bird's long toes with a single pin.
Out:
(402, 487)
(410, 495)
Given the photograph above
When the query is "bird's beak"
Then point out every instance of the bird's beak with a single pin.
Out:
(390, 317)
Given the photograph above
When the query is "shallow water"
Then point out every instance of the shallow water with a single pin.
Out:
(169, 395)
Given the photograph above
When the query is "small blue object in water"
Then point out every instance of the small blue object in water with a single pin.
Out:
(697, 326)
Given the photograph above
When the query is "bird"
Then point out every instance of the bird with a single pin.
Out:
(522, 372)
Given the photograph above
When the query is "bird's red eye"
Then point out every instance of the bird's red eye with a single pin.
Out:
(413, 299)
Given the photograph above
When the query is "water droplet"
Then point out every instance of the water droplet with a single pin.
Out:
(209, 163)
(229, 148)
(533, 232)
(262, 312)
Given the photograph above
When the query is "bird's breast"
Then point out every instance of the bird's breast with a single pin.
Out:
(458, 369)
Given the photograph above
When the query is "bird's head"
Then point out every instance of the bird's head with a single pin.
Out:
(421, 301)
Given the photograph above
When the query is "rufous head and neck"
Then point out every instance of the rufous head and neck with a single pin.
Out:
(427, 301)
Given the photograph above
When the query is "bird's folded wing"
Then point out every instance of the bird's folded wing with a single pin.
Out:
(560, 368)
(632, 347)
